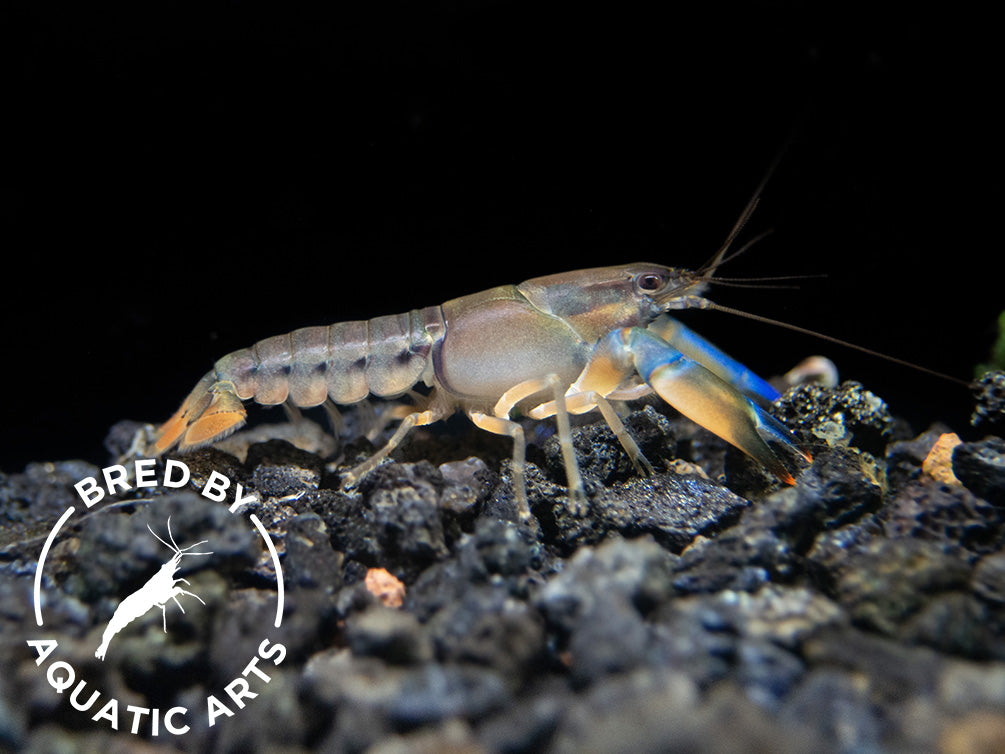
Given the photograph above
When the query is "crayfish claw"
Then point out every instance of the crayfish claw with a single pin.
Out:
(715, 404)
(778, 442)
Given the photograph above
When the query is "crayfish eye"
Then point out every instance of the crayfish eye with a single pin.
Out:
(649, 281)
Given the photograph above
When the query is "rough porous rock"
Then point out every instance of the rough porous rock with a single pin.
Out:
(989, 405)
(981, 467)
(704, 608)
(846, 414)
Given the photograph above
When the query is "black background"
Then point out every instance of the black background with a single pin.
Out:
(189, 178)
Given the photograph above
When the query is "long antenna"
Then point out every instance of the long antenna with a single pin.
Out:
(706, 272)
(719, 257)
(704, 303)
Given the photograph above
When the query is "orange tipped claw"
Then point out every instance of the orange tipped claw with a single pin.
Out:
(710, 401)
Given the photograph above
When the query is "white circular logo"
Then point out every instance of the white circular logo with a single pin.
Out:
(165, 590)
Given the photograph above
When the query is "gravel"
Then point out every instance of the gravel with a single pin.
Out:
(704, 609)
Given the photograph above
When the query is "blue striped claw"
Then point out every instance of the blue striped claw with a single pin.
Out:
(711, 401)
(696, 348)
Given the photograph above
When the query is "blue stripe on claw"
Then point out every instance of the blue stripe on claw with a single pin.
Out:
(709, 400)
(651, 354)
(695, 347)
(779, 439)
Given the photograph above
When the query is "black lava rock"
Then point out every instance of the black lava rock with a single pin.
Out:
(950, 515)
(847, 414)
(989, 406)
(602, 457)
(904, 458)
(981, 467)
(673, 508)
(280, 469)
(862, 608)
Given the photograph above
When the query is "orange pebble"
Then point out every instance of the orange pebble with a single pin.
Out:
(938, 464)
(385, 587)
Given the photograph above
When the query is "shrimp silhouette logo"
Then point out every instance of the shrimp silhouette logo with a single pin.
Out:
(66, 662)
(161, 587)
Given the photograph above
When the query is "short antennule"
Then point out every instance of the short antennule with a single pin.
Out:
(720, 258)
